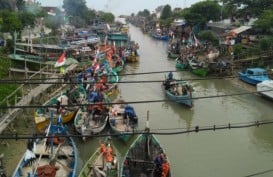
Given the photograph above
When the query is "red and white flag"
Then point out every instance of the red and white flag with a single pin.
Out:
(60, 61)
(96, 67)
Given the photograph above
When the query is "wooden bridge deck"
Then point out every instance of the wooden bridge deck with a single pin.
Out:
(6, 119)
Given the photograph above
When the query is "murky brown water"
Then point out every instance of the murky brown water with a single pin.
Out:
(222, 153)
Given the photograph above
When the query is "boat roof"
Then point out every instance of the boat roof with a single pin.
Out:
(268, 83)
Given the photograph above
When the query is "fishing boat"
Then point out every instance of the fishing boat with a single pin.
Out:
(54, 155)
(91, 120)
(131, 56)
(253, 76)
(198, 68)
(173, 55)
(160, 36)
(145, 157)
(181, 64)
(178, 91)
(123, 119)
(61, 100)
(265, 88)
(103, 162)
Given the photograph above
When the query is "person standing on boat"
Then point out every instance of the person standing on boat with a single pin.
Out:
(109, 158)
(158, 164)
(165, 168)
(170, 75)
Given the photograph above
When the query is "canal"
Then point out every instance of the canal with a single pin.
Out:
(236, 152)
(222, 153)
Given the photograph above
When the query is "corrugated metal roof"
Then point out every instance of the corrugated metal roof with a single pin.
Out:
(240, 29)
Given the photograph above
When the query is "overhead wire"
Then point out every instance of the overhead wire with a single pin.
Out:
(133, 102)
(195, 129)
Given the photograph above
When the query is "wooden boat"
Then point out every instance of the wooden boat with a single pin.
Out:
(97, 163)
(42, 115)
(253, 76)
(122, 119)
(265, 88)
(91, 120)
(200, 72)
(178, 91)
(145, 157)
(55, 156)
(131, 56)
(198, 68)
(181, 65)
(160, 36)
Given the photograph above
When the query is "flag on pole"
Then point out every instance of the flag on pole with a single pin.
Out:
(108, 27)
(60, 61)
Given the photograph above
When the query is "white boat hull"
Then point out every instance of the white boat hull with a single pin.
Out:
(265, 88)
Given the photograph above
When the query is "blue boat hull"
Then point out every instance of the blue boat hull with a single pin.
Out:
(180, 99)
(253, 80)
(25, 167)
(253, 76)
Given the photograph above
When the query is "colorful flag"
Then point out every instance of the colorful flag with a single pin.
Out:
(60, 61)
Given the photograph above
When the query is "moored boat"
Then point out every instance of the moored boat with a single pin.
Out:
(253, 76)
(198, 68)
(123, 119)
(265, 88)
(181, 65)
(178, 91)
(145, 157)
(52, 156)
(91, 120)
(42, 115)
(103, 162)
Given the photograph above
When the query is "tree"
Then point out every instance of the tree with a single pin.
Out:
(5, 5)
(166, 12)
(107, 17)
(20, 5)
(266, 43)
(10, 22)
(75, 8)
(202, 12)
(208, 36)
(26, 18)
(265, 21)
(144, 13)
(255, 7)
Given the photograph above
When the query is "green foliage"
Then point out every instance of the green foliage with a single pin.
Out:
(77, 21)
(208, 36)
(107, 17)
(202, 12)
(144, 13)
(11, 22)
(26, 18)
(166, 12)
(266, 43)
(4, 65)
(20, 4)
(6, 89)
(166, 22)
(75, 8)
(255, 7)
(5, 5)
(265, 21)
(237, 49)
